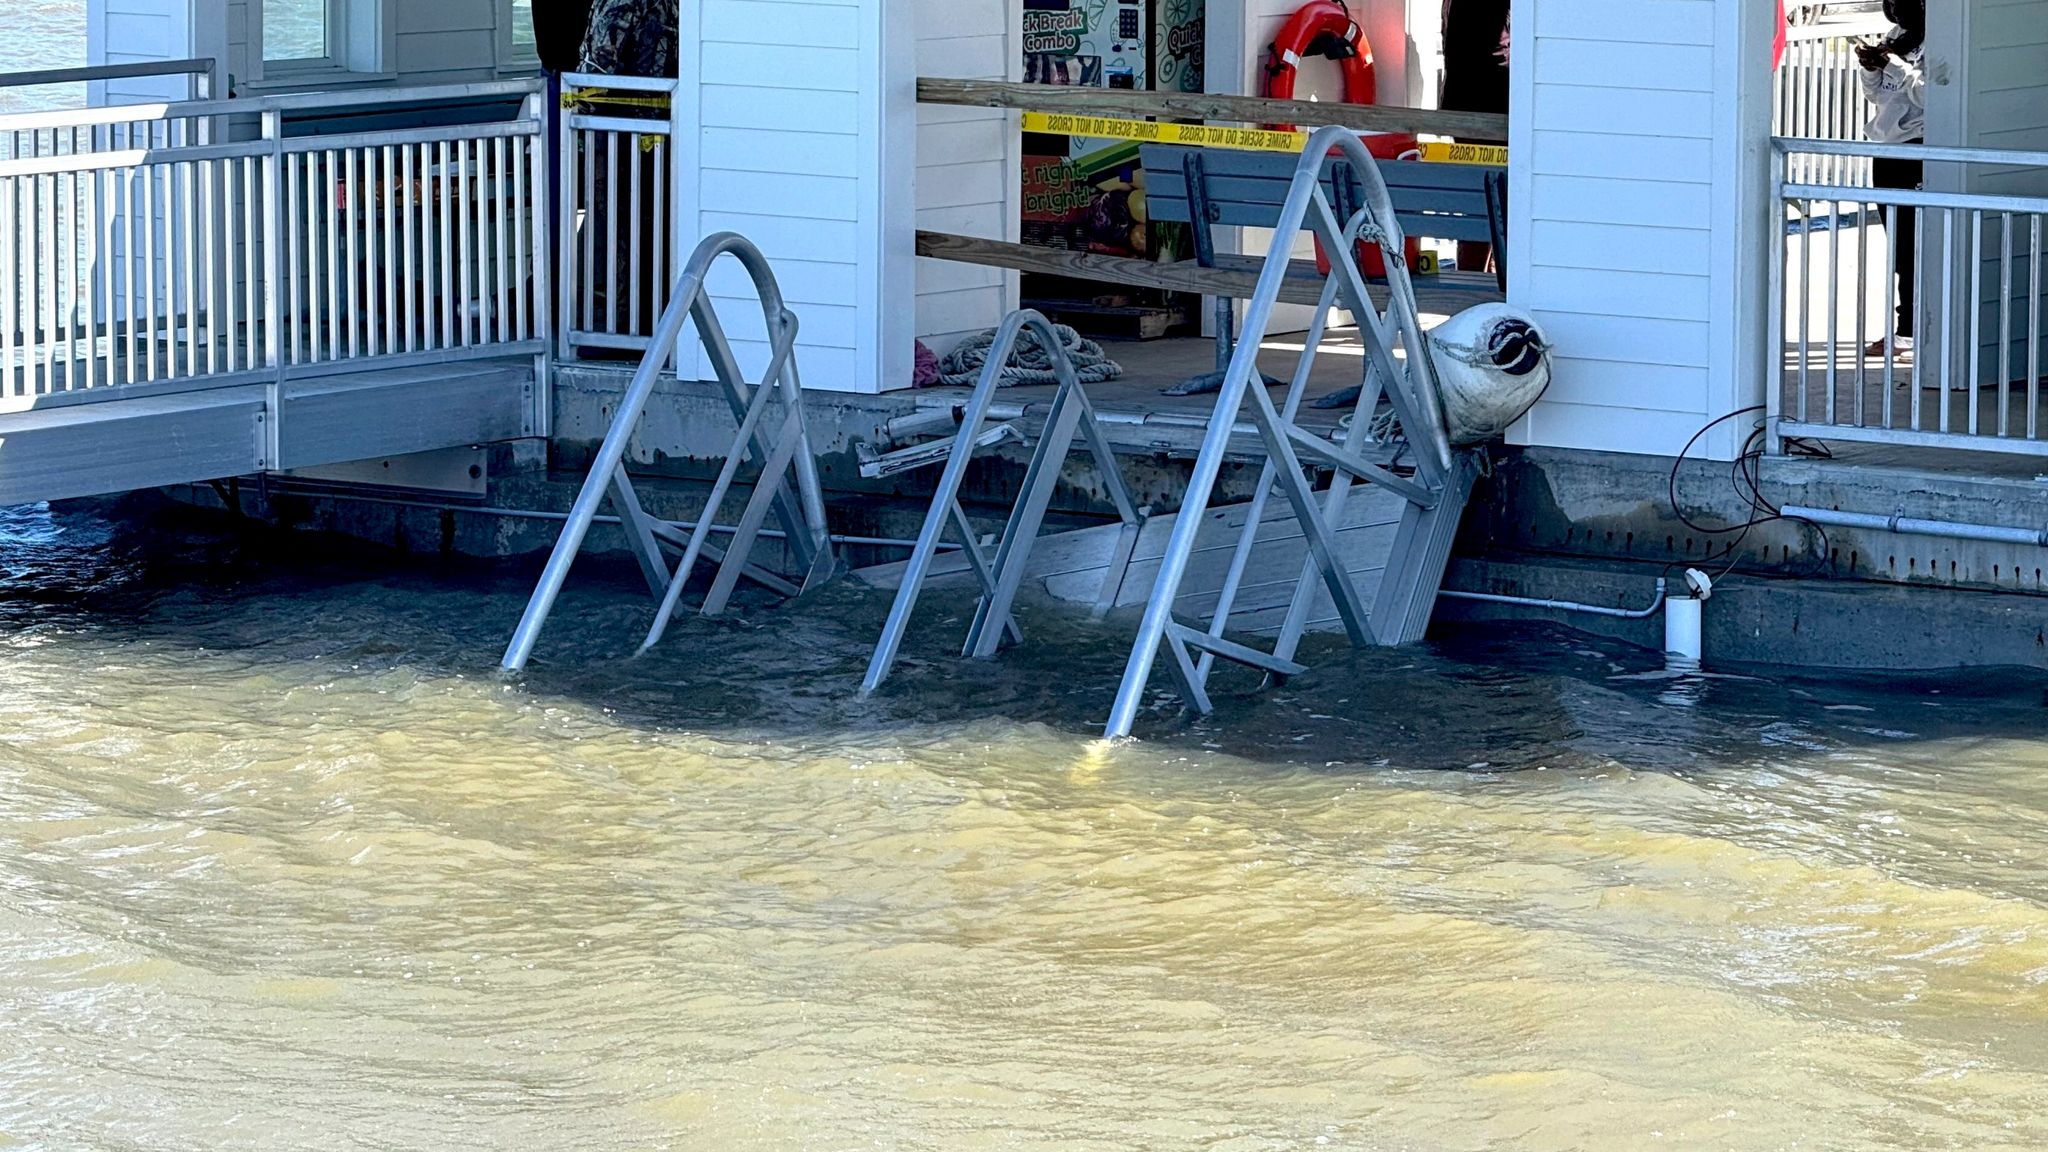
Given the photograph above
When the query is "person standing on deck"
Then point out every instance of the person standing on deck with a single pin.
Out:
(559, 27)
(631, 38)
(1475, 80)
(1893, 83)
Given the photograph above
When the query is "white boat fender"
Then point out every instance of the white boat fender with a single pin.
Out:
(1492, 365)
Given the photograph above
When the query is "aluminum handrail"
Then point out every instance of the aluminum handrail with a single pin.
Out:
(329, 101)
(1951, 284)
(132, 158)
(197, 66)
(1916, 198)
(1436, 495)
(1798, 145)
(803, 517)
(185, 262)
(254, 105)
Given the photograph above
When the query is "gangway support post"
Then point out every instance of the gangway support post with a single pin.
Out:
(1436, 493)
(782, 455)
(1069, 416)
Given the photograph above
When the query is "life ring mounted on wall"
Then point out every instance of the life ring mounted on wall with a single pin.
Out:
(1322, 28)
(1325, 28)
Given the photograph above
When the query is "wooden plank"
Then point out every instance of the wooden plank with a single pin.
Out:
(1070, 565)
(1440, 295)
(1181, 277)
(1202, 106)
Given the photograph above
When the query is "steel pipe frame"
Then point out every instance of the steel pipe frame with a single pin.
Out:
(1901, 524)
(1071, 414)
(802, 514)
(1411, 385)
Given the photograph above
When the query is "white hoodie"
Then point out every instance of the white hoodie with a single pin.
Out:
(1898, 98)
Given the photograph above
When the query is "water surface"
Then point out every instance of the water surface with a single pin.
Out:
(284, 863)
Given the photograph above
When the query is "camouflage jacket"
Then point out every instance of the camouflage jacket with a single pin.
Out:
(631, 38)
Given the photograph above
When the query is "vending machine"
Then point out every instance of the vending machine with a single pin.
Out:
(1088, 195)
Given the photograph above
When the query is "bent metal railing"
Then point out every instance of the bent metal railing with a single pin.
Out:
(1911, 317)
(1435, 494)
(778, 457)
(194, 260)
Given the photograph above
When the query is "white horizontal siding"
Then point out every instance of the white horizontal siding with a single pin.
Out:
(2007, 108)
(786, 98)
(967, 171)
(1625, 216)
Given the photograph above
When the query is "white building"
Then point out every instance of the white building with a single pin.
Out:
(1643, 222)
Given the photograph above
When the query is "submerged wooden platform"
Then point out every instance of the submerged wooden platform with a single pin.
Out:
(1072, 565)
(70, 445)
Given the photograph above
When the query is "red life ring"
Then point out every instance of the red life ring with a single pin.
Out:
(1322, 28)
(1325, 28)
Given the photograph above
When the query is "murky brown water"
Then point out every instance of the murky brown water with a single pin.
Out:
(284, 864)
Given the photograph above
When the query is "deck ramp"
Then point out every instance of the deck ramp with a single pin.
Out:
(207, 288)
(93, 446)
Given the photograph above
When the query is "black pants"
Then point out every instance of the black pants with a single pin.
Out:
(1902, 175)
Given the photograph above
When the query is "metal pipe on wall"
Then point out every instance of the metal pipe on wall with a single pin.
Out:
(1911, 526)
(1656, 604)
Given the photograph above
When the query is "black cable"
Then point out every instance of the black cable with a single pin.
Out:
(1746, 474)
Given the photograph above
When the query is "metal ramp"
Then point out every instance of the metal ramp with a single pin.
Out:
(779, 445)
(177, 307)
(1070, 415)
(1435, 494)
(89, 444)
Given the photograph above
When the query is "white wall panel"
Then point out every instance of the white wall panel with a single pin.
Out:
(968, 170)
(1635, 215)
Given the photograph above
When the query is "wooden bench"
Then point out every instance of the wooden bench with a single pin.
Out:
(1243, 189)
(1209, 188)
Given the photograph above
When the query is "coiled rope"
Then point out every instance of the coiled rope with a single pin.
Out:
(1030, 362)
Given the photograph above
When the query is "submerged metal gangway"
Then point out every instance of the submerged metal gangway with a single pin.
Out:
(1435, 494)
(1430, 498)
(1070, 415)
(782, 454)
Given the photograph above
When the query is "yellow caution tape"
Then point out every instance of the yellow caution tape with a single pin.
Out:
(1198, 135)
(1465, 154)
(1252, 139)
(587, 97)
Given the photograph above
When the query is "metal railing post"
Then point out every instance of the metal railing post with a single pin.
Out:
(542, 224)
(1777, 302)
(570, 173)
(273, 277)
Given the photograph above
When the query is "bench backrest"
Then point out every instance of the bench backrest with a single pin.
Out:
(1246, 189)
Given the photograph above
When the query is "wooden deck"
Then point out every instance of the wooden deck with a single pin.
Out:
(1140, 417)
(1848, 393)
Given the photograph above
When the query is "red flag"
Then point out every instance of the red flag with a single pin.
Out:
(1778, 45)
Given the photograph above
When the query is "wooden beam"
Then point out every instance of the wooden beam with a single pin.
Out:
(1441, 296)
(1201, 106)
(1185, 276)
